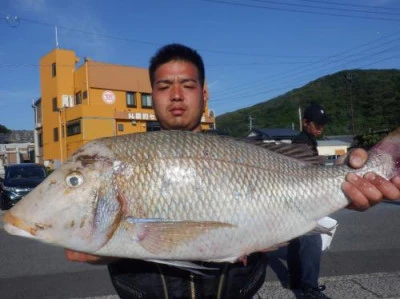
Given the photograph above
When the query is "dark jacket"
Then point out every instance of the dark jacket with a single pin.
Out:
(141, 279)
(305, 138)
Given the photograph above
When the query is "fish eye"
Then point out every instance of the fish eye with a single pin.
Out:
(74, 179)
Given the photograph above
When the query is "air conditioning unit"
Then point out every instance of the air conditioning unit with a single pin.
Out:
(67, 100)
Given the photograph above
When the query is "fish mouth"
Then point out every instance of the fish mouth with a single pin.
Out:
(14, 224)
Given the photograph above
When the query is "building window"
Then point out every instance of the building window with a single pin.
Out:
(84, 94)
(40, 139)
(54, 103)
(53, 70)
(55, 134)
(153, 126)
(131, 99)
(146, 100)
(78, 98)
(74, 128)
(120, 127)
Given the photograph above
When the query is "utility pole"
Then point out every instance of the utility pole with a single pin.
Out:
(251, 122)
(349, 79)
(300, 120)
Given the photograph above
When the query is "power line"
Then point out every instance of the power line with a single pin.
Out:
(222, 96)
(324, 7)
(380, 60)
(12, 21)
(239, 97)
(90, 33)
(299, 11)
(352, 5)
(259, 64)
(139, 41)
(239, 94)
(158, 44)
(263, 89)
(121, 38)
(324, 61)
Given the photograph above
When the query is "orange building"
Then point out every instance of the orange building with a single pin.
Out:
(90, 101)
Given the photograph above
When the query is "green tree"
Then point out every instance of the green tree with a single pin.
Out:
(373, 94)
(4, 129)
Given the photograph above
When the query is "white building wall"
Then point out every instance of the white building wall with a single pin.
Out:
(331, 150)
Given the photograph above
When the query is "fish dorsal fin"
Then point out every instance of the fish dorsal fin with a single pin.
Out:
(301, 152)
(161, 235)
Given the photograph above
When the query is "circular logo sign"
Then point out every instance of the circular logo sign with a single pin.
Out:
(108, 97)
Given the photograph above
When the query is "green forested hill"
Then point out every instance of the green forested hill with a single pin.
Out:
(374, 95)
(4, 129)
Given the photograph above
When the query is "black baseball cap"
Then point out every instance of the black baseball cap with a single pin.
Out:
(316, 113)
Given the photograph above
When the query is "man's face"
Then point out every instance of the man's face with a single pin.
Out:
(313, 128)
(178, 97)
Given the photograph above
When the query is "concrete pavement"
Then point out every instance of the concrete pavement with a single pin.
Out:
(363, 262)
(363, 286)
(375, 285)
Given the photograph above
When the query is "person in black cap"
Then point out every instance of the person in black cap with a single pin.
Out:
(314, 121)
(304, 253)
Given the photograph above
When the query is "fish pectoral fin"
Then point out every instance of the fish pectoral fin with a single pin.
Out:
(321, 229)
(161, 235)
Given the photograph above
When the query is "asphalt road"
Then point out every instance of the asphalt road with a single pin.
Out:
(364, 242)
(365, 245)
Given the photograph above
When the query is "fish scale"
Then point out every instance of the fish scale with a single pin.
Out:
(306, 204)
(175, 195)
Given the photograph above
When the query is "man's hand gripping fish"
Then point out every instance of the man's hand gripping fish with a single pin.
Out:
(180, 196)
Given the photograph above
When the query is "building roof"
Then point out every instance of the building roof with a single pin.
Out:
(118, 77)
(17, 136)
(333, 143)
(345, 138)
(274, 133)
(4, 138)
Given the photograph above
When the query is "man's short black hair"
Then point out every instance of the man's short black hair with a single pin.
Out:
(176, 52)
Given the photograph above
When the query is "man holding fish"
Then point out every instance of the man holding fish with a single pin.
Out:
(194, 201)
(177, 78)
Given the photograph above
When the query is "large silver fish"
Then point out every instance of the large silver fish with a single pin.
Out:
(175, 195)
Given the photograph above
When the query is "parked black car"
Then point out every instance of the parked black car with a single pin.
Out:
(19, 180)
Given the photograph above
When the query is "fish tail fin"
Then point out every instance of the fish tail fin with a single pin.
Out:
(390, 147)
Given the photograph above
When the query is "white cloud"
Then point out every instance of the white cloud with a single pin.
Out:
(76, 25)
(75, 21)
(82, 38)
